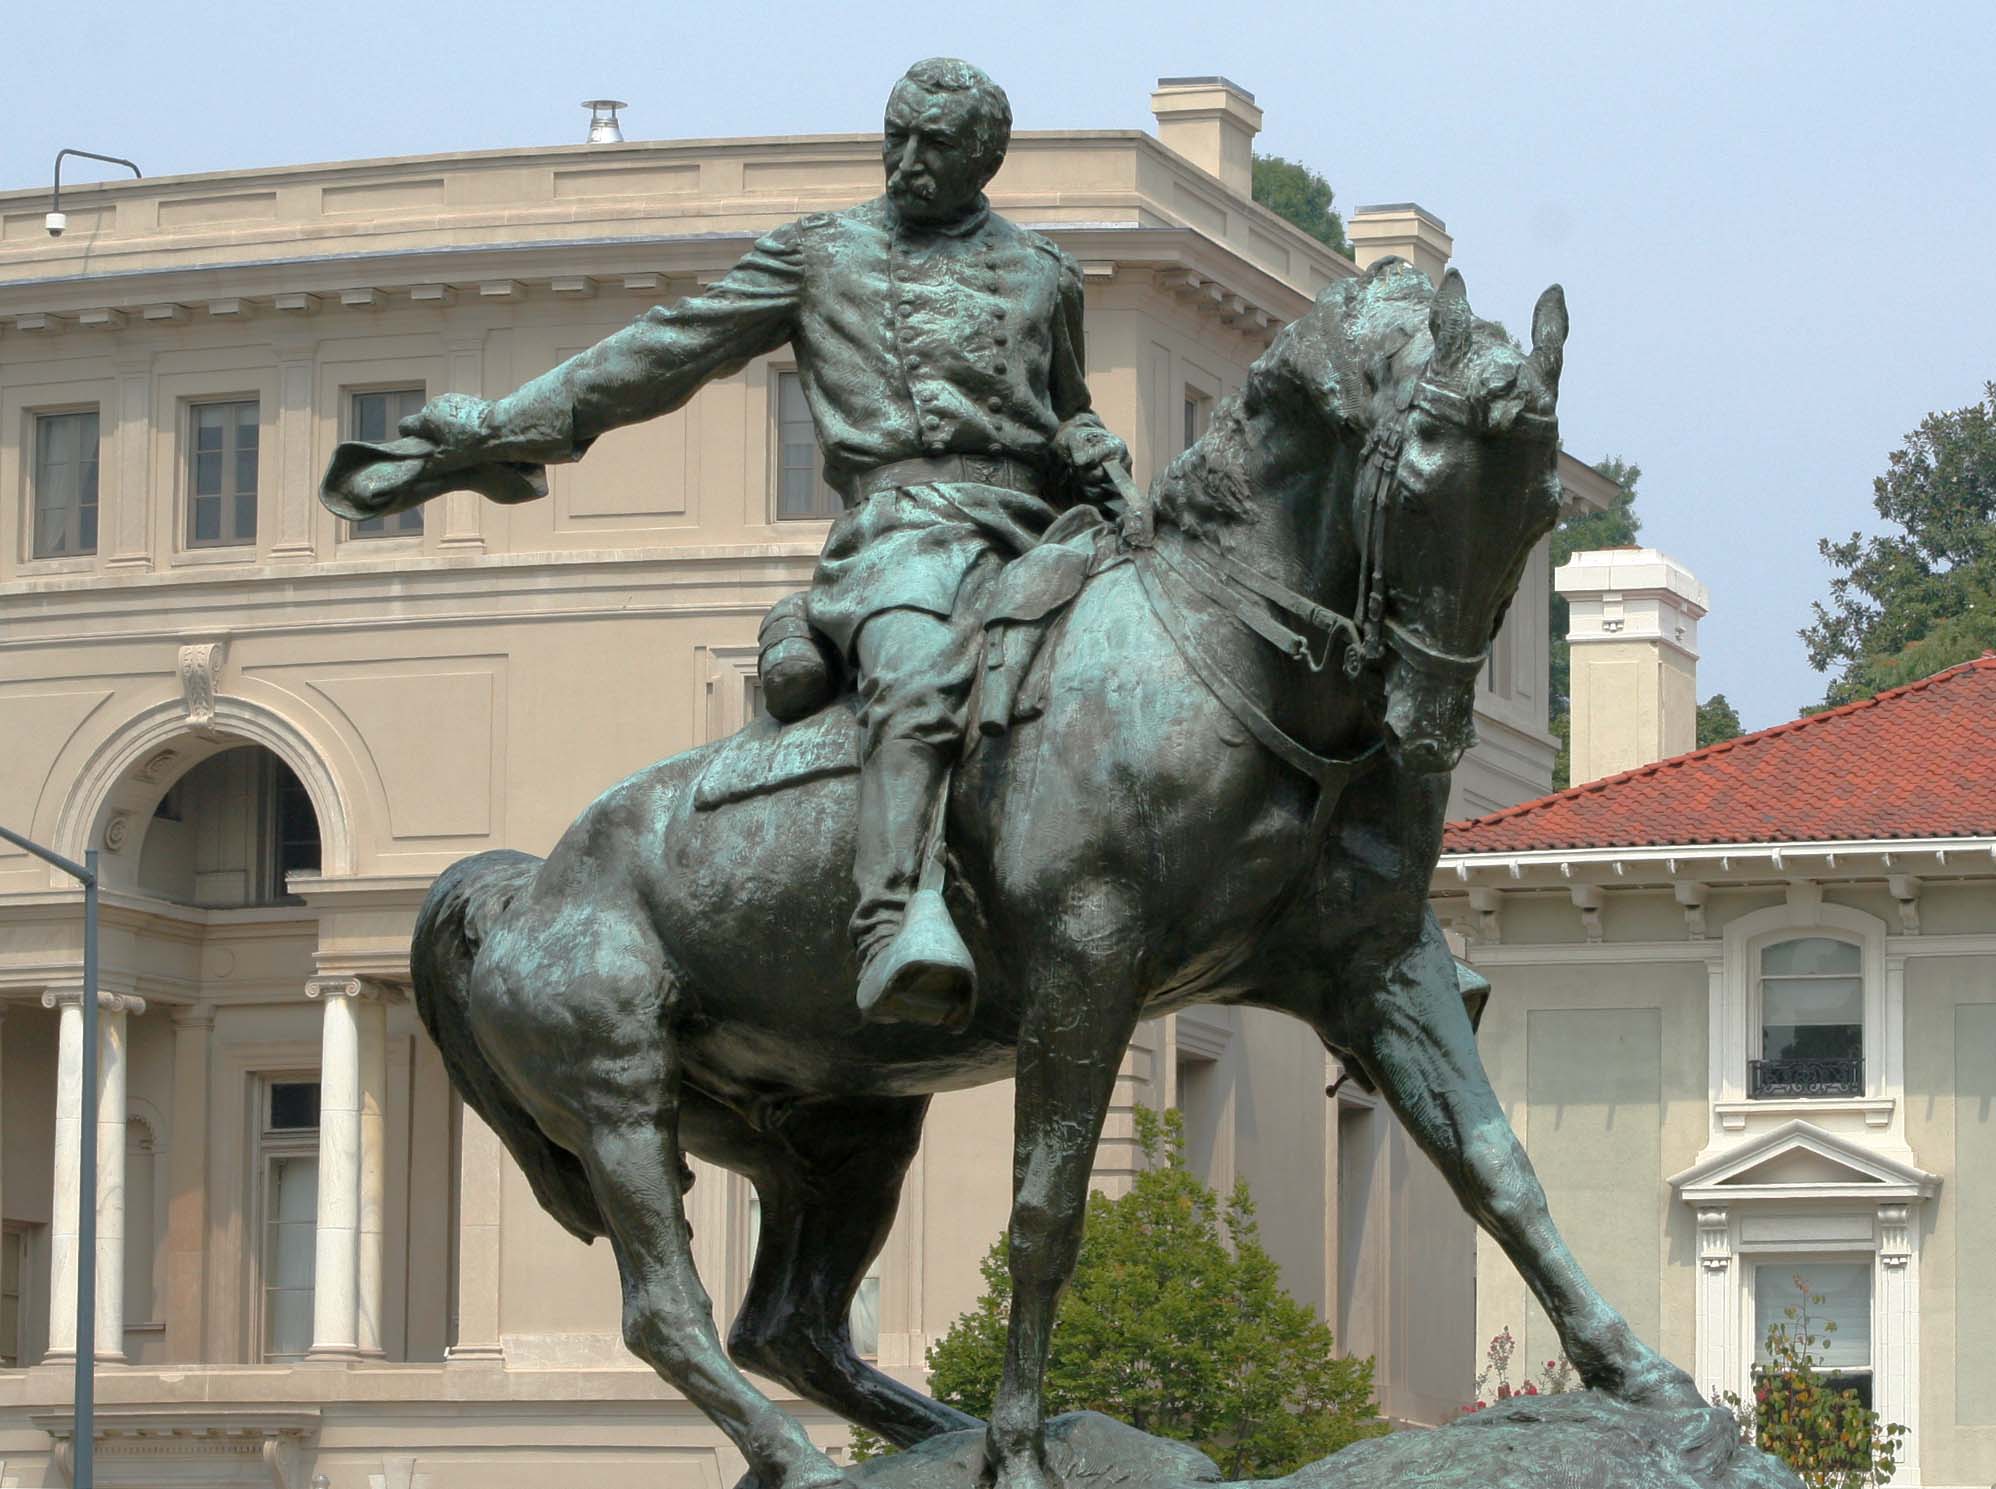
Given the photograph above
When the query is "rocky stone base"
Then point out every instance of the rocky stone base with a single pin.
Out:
(1580, 1440)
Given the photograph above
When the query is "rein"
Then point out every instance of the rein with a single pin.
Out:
(1369, 630)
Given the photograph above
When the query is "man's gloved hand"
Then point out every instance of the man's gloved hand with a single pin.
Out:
(1101, 465)
(458, 424)
(1087, 448)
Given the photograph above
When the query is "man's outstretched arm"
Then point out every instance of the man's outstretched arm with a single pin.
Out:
(651, 367)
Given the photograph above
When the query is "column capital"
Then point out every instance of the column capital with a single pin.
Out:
(70, 995)
(351, 985)
(193, 1015)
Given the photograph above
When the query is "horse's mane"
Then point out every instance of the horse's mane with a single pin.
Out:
(1355, 354)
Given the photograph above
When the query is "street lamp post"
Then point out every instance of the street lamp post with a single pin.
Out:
(83, 1440)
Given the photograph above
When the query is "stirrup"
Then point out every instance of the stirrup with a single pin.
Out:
(924, 975)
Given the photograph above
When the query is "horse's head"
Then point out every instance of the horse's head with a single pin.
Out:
(1457, 483)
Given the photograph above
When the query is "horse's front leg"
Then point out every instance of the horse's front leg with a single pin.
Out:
(1412, 1035)
(1078, 1023)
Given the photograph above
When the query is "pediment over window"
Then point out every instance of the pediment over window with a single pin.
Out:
(1799, 1160)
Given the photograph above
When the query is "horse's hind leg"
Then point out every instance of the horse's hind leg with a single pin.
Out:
(1413, 1037)
(633, 1157)
(829, 1182)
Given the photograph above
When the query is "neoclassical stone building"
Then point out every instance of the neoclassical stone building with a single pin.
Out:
(1744, 1017)
(276, 728)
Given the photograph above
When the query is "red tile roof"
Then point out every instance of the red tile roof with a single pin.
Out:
(1915, 762)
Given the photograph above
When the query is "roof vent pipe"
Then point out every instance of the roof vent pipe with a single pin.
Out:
(603, 126)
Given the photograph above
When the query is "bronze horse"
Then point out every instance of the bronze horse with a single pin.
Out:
(1174, 828)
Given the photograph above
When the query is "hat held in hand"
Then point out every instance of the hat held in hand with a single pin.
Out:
(367, 479)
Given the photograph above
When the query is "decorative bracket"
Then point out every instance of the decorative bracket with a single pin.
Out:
(1895, 1235)
(1715, 1239)
(200, 680)
(1587, 900)
(1906, 890)
(1691, 895)
(1489, 906)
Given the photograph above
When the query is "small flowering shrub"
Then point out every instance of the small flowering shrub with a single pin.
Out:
(1493, 1381)
(1828, 1436)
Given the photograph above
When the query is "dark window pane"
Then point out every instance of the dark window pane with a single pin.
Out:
(208, 473)
(375, 416)
(297, 826)
(207, 519)
(294, 1105)
(245, 517)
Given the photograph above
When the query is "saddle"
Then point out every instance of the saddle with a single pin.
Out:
(811, 730)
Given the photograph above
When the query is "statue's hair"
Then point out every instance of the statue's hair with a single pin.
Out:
(991, 109)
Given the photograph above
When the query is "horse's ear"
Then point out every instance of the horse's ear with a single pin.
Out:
(1549, 335)
(1450, 322)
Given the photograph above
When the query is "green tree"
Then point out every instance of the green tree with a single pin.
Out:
(1908, 603)
(1718, 721)
(1615, 526)
(1291, 189)
(1176, 1322)
(1819, 1428)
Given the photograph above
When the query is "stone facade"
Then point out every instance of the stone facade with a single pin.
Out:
(275, 730)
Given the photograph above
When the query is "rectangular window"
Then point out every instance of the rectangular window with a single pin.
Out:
(801, 490)
(1198, 415)
(13, 1266)
(66, 484)
(1811, 1019)
(288, 1166)
(221, 474)
(1843, 1354)
(375, 417)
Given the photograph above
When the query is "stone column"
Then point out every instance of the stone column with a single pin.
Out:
(1717, 1367)
(335, 1279)
(187, 1203)
(111, 1064)
(65, 1215)
(480, 1166)
(371, 1020)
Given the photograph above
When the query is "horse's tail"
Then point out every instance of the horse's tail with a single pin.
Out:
(464, 903)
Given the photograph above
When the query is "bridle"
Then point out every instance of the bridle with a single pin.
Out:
(1371, 629)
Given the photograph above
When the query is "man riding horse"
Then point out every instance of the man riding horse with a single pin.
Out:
(940, 351)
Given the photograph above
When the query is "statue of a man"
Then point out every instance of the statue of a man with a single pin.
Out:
(940, 351)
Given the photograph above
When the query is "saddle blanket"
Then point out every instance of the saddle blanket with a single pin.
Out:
(767, 756)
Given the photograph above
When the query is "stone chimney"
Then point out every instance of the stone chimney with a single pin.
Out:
(1405, 229)
(1634, 634)
(1211, 122)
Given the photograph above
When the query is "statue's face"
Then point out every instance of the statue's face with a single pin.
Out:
(934, 168)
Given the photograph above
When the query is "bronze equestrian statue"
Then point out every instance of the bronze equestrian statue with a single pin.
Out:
(1216, 773)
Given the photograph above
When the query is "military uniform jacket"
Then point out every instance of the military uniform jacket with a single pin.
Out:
(910, 341)
(963, 340)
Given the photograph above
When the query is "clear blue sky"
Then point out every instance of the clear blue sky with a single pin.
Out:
(1773, 222)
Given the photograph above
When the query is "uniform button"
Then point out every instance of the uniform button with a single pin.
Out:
(934, 421)
(999, 368)
(994, 403)
(997, 312)
(907, 333)
(906, 306)
(1000, 338)
(915, 362)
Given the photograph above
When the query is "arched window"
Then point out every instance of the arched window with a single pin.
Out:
(1810, 998)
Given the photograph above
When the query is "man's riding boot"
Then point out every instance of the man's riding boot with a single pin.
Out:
(914, 967)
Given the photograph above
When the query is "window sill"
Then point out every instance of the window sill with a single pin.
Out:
(73, 563)
(1876, 1110)
(217, 553)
